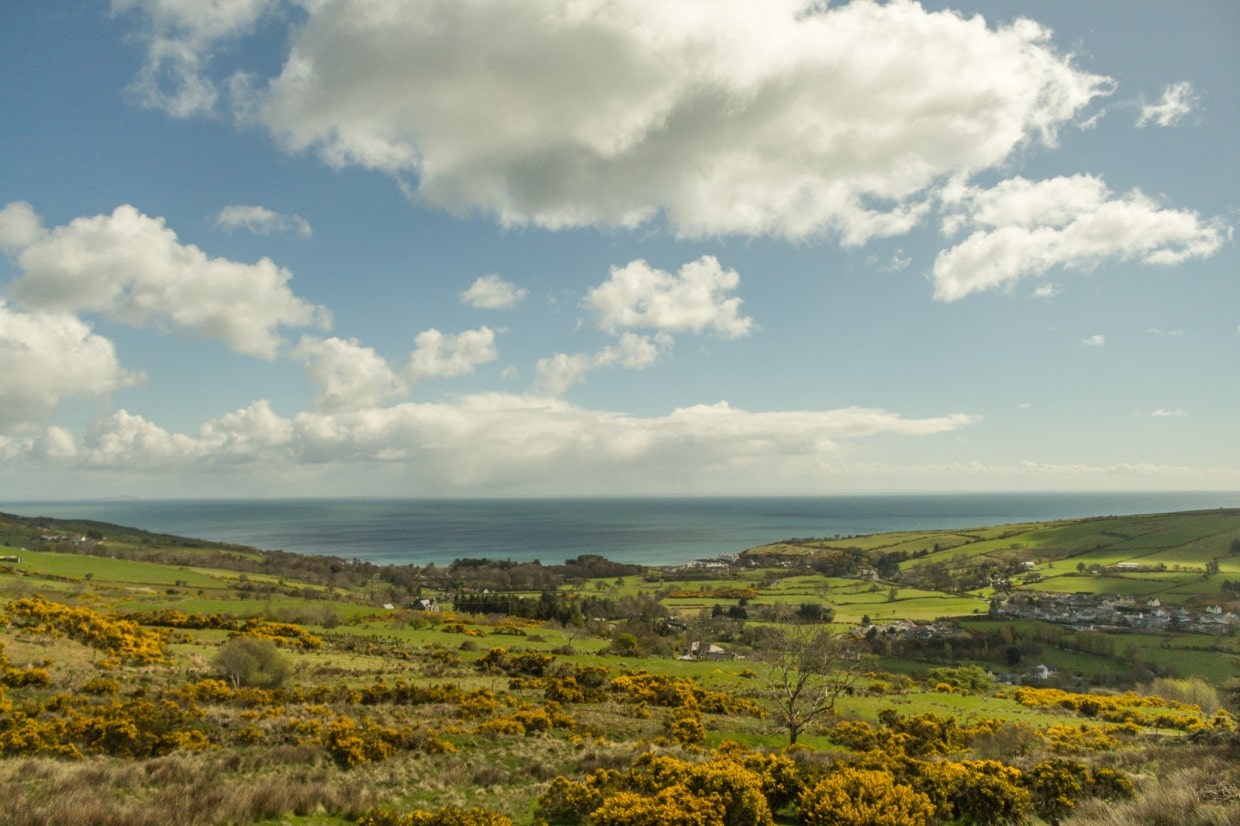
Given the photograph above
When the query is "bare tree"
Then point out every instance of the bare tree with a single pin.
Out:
(808, 672)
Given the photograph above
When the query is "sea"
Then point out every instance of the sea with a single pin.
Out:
(646, 531)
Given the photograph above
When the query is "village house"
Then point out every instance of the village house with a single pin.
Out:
(707, 651)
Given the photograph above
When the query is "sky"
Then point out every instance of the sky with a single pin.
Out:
(617, 247)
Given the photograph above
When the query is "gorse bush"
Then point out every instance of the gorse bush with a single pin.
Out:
(118, 637)
(447, 816)
(659, 789)
(861, 797)
(672, 806)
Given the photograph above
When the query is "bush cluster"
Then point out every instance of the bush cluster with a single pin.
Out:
(1125, 708)
(659, 789)
(118, 637)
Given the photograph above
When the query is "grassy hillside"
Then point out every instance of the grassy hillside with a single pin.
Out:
(154, 679)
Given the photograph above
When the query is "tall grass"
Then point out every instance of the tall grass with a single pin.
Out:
(1207, 794)
(178, 789)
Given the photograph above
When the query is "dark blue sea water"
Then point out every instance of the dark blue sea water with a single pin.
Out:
(649, 531)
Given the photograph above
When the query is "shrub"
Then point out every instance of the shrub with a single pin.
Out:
(1080, 739)
(989, 792)
(687, 728)
(568, 803)
(501, 726)
(351, 745)
(251, 661)
(1109, 784)
(121, 638)
(672, 806)
(447, 816)
(1056, 785)
(737, 790)
(860, 797)
(101, 686)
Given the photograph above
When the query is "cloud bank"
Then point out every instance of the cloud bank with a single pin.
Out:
(496, 440)
(787, 118)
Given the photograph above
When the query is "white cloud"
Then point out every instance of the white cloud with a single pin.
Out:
(785, 117)
(554, 375)
(1024, 228)
(19, 227)
(132, 268)
(638, 295)
(1047, 290)
(443, 355)
(55, 443)
(1177, 102)
(491, 292)
(260, 219)
(181, 36)
(1097, 340)
(899, 261)
(1177, 413)
(123, 438)
(503, 441)
(255, 434)
(47, 357)
(348, 375)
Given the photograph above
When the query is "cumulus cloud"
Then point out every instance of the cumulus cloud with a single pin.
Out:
(491, 292)
(181, 36)
(788, 118)
(1024, 228)
(132, 268)
(1047, 290)
(47, 357)
(1097, 340)
(19, 227)
(1177, 413)
(260, 219)
(506, 441)
(347, 374)
(554, 375)
(695, 299)
(443, 355)
(1177, 102)
(255, 434)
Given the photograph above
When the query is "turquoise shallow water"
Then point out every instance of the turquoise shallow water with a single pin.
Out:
(649, 531)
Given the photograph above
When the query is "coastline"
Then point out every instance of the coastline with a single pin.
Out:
(639, 530)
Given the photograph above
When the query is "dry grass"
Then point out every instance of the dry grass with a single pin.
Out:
(1175, 793)
(181, 788)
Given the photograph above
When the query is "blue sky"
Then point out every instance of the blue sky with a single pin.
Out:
(351, 247)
